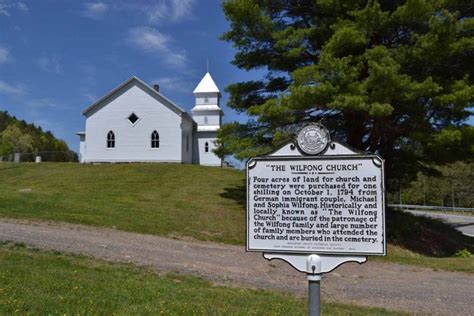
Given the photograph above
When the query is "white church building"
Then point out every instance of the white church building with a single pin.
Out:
(136, 123)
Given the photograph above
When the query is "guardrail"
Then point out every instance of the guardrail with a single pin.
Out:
(431, 208)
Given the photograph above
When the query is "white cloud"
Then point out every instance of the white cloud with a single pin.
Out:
(95, 10)
(50, 64)
(42, 103)
(169, 10)
(6, 6)
(182, 8)
(174, 84)
(90, 96)
(22, 6)
(10, 89)
(155, 12)
(4, 55)
(151, 40)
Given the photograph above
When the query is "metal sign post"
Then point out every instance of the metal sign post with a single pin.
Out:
(314, 266)
(313, 263)
(316, 204)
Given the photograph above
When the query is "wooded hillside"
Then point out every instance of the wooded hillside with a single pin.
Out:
(18, 136)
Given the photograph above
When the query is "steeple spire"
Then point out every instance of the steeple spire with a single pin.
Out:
(207, 85)
(207, 96)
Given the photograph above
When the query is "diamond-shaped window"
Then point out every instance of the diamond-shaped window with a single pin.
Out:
(133, 118)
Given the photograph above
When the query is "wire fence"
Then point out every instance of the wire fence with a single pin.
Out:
(410, 207)
(42, 156)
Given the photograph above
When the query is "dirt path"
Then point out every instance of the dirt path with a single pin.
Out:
(391, 286)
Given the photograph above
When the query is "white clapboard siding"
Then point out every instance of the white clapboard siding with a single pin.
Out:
(133, 141)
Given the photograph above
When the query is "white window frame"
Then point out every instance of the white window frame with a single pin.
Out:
(136, 122)
(108, 140)
(154, 140)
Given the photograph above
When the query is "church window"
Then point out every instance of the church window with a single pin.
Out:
(205, 120)
(155, 140)
(206, 147)
(187, 143)
(111, 140)
(133, 118)
(206, 99)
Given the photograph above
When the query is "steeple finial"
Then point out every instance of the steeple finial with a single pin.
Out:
(207, 60)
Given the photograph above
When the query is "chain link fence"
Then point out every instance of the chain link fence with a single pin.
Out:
(42, 156)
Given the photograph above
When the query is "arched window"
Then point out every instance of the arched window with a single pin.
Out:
(206, 147)
(155, 140)
(111, 140)
(187, 143)
(205, 120)
(206, 99)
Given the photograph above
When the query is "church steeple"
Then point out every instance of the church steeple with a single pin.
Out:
(206, 85)
(208, 116)
(207, 112)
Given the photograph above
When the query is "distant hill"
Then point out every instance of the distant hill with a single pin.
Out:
(41, 142)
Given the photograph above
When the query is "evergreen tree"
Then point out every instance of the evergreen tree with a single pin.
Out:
(391, 77)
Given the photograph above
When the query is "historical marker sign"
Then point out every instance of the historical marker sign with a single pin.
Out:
(327, 204)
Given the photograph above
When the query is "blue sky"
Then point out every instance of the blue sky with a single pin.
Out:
(59, 56)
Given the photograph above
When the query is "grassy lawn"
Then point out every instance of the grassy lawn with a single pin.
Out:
(38, 282)
(175, 200)
(161, 199)
(403, 256)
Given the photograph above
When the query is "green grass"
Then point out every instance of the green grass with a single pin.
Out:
(44, 283)
(161, 199)
(175, 200)
(400, 255)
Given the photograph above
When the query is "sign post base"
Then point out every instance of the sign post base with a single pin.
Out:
(314, 266)
(314, 297)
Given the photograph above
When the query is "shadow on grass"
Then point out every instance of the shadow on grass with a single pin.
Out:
(424, 235)
(237, 193)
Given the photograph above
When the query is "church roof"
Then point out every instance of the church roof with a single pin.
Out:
(144, 86)
(207, 84)
(201, 107)
(208, 128)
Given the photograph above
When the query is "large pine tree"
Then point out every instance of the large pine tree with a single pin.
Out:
(391, 77)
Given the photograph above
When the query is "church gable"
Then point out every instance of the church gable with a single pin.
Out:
(125, 88)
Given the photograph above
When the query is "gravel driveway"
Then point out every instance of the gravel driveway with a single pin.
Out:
(391, 286)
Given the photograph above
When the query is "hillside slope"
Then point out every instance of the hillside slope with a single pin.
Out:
(43, 142)
(175, 201)
(162, 199)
